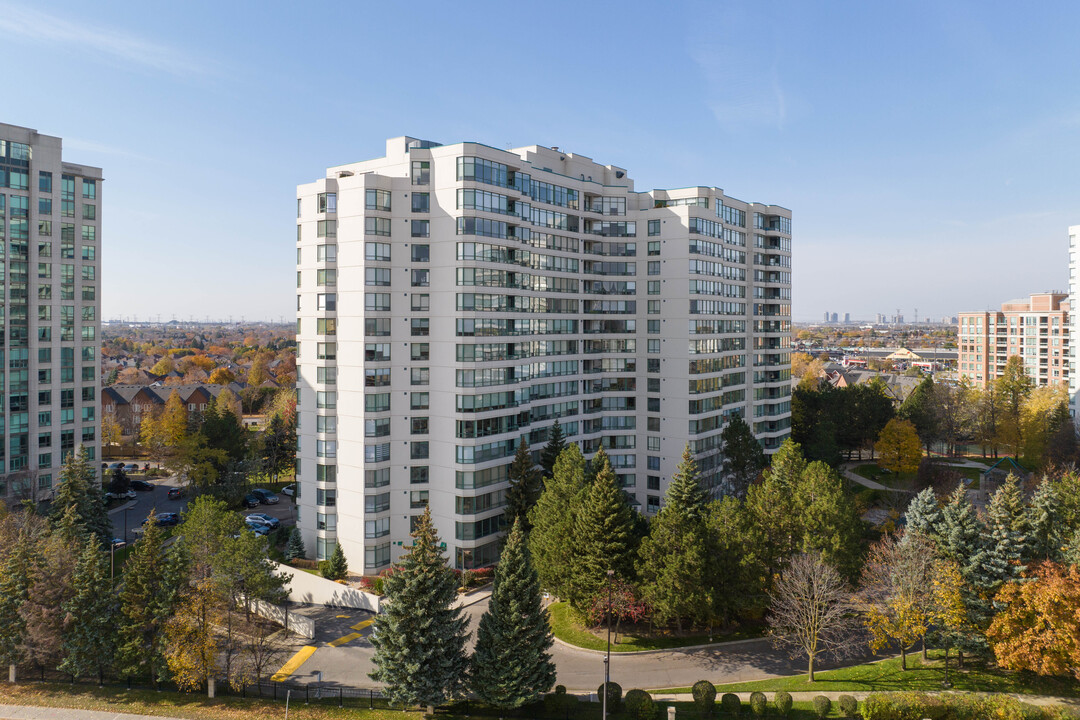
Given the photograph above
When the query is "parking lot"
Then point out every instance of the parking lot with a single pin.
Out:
(128, 515)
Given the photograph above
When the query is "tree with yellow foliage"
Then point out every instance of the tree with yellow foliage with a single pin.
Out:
(221, 376)
(896, 593)
(174, 421)
(1038, 629)
(191, 648)
(899, 447)
(164, 366)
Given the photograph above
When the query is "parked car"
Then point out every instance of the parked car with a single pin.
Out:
(260, 530)
(289, 490)
(263, 519)
(128, 494)
(116, 466)
(169, 518)
(141, 485)
(265, 496)
(176, 493)
(250, 500)
(131, 467)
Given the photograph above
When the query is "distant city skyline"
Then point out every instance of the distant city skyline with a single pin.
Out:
(913, 160)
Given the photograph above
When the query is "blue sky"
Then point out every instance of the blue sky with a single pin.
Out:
(928, 150)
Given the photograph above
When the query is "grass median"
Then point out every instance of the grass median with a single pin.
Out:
(886, 676)
(567, 628)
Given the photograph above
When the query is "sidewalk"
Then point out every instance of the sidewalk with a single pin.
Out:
(25, 712)
(858, 695)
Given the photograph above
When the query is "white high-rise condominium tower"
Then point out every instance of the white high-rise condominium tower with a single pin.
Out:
(50, 238)
(454, 300)
(1074, 324)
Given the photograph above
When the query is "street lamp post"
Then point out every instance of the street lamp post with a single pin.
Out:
(607, 658)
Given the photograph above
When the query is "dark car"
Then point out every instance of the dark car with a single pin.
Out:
(251, 500)
(176, 493)
(141, 485)
(265, 496)
(166, 519)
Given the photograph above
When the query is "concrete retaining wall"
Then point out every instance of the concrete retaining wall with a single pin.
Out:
(307, 588)
(294, 622)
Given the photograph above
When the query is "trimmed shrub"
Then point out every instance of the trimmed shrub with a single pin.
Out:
(639, 704)
(822, 706)
(560, 702)
(730, 704)
(913, 705)
(848, 705)
(759, 704)
(782, 700)
(704, 693)
(614, 695)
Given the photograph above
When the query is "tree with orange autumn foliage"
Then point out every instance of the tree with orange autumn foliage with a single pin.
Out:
(1039, 629)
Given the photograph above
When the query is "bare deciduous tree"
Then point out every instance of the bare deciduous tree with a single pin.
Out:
(897, 591)
(810, 611)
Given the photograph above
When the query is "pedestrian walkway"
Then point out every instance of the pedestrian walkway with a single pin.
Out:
(861, 695)
(25, 712)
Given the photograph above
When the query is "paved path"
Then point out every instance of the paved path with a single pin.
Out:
(25, 712)
(857, 478)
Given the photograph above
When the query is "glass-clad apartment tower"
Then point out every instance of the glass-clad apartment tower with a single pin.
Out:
(50, 241)
(455, 300)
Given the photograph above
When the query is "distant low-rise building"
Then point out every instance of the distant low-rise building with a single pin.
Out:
(1036, 329)
(129, 404)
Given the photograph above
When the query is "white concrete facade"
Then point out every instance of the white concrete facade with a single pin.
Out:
(50, 252)
(454, 300)
(1074, 325)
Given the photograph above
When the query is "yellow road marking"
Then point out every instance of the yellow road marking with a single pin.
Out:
(342, 640)
(342, 616)
(362, 624)
(294, 663)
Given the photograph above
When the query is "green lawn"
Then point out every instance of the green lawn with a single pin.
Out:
(567, 629)
(886, 675)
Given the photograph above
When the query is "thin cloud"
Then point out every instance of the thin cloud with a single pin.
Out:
(113, 44)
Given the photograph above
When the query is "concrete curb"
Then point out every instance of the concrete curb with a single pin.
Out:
(686, 648)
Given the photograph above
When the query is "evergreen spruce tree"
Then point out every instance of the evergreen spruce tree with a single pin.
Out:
(555, 445)
(674, 556)
(1008, 526)
(603, 538)
(553, 520)
(294, 548)
(828, 521)
(924, 516)
(16, 571)
(685, 493)
(79, 490)
(420, 637)
(151, 583)
(511, 665)
(1071, 552)
(964, 542)
(744, 457)
(90, 615)
(1046, 523)
(335, 567)
(525, 487)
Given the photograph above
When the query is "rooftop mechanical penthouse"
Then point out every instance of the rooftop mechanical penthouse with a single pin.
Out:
(453, 301)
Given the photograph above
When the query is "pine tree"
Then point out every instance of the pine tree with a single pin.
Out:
(921, 409)
(79, 490)
(828, 520)
(89, 636)
(744, 457)
(674, 557)
(148, 595)
(787, 465)
(335, 567)
(525, 487)
(603, 539)
(555, 445)
(924, 516)
(553, 520)
(294, 548)
(16, 571)
(420, 637)
(1045, 521)
(511, 665)
(685, 493)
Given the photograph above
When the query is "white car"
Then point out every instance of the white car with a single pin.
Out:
(289, 490)
(130, 495)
